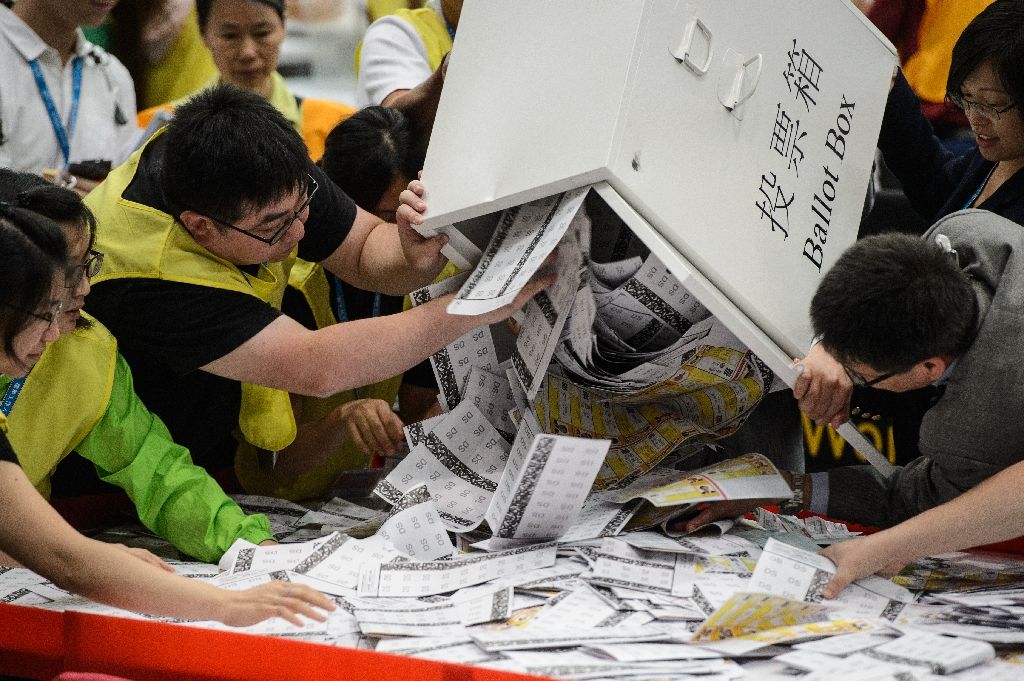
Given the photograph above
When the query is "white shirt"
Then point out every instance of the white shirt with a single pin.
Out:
(29, 142)
(393, 57)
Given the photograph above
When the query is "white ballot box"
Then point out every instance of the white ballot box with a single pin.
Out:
(734, 138)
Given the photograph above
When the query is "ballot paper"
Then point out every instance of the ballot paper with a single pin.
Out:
(545, 637)
(701, 389)
(425, 579)
(820, 530)
(651, 652)
(649, 309)
(787, 571)
(338, 562)
(492, 395)
(542, 490)
(277, 556)
(745, 614)
(416, 433)
(283, 515)
(751, 476)
(723, 545)
(619, 564)
(845, 645)
(339, 514)
(524, 237)
(599, 518)
(415, 529)
(940, 654)
(445, 618)
(583, 607)
(545, 314)
(458, 649)
(460, 460)
(453, 363)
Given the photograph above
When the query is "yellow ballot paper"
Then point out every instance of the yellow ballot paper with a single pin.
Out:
(746, 614)
(751, 476)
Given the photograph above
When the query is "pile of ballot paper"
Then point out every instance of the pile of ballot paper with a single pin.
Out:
(741, 604)
(535, 525)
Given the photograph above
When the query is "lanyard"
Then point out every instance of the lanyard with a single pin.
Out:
(11, 396)
(980, 188)
(342, 310)
(63, 134)
(339, 301)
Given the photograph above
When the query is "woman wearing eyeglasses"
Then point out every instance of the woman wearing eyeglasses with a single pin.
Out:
(986, 82)
(79, 397)
(31, 312)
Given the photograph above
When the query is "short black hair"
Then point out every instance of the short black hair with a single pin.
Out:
(366, 152)
(228, 150)
(35, 246)
(996, 35)
(203, 10)
(62, 205)
(893, 300)
(27, 190)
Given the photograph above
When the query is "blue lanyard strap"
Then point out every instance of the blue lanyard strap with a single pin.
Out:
(11, 395)
(63, 133)
(342, 311)
(981, 187)
(339, 301)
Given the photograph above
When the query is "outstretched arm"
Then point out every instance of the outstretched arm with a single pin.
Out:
(38, 538)
(988, 513)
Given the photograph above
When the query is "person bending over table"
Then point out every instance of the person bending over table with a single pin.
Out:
(986, 81)
(942, 312)
(200, 228)
(79, 398)
(31, 309)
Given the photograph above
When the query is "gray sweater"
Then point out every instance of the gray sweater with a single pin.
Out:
(976, 429)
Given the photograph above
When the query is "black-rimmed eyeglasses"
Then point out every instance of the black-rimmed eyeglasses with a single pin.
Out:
(50, 317)
(311, 187)
(861, 382)
(988, 111)
(90, 267)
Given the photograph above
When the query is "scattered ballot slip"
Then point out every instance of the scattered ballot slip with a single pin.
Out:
(785, 570)
(460, 460)
(438, 577)
(453, 362)
(542, 490)
(524, 237)
(751, 476)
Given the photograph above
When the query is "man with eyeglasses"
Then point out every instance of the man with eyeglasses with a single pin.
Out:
(903, 313)
(199, 229)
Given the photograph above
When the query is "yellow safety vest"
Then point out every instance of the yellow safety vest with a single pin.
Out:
(185, 69)
(53, 414)
(310, 280)
(142, 242)
(431, 30)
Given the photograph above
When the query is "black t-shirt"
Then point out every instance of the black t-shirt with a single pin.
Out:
(6, 451)
(167, 330)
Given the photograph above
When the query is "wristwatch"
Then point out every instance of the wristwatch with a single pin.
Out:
(795, 504)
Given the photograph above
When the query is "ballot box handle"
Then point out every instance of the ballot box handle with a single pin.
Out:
(684, 51)
(739, 79)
